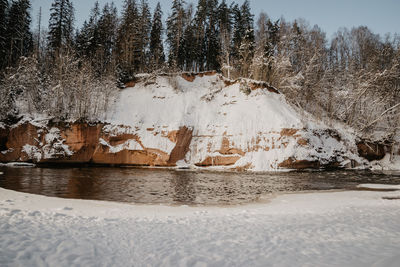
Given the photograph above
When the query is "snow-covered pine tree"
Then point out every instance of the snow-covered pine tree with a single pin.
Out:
(175, 30)
(157, 57)
(18, 35)
(61, 29)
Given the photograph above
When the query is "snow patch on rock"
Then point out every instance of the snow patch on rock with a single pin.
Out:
(33, 152)
(55, 146)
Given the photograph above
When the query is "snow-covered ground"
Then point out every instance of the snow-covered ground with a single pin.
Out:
(352, 228)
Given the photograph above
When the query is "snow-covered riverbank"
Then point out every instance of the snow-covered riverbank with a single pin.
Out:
(352, 228)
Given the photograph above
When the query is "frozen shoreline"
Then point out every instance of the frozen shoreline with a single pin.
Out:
(351, 228)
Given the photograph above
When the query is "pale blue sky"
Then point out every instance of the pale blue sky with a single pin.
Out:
(381, 16)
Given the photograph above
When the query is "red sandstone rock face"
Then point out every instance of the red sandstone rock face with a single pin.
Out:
(15, 138)
(371, 151)
(261, 85)
(218, 161)
(183, 139)
(84, 141)
(190, 77)
(92, 144)
(227, 150)
(292, 163)
(124, 157)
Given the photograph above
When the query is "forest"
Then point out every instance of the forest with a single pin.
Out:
(68, 72)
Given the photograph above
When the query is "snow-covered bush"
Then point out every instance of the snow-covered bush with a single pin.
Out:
(70, 91)
(21, 89)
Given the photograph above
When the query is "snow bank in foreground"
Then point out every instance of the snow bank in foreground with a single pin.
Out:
(355, 228)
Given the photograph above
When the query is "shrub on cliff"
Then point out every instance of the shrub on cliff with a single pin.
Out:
(70, 91)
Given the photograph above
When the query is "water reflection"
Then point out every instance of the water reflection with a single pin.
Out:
(177, 186)
(183, 187)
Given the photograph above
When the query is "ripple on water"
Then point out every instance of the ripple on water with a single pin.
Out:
(178, 187)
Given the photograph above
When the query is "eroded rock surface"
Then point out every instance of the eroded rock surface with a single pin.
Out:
(85, 143)
(371, 150)
(96, 143)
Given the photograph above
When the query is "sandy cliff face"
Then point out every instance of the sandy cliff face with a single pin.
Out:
(189, 120)
(84, 143)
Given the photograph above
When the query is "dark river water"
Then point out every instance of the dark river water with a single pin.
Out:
(156, 186)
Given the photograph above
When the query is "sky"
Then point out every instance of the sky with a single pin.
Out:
(381, 16)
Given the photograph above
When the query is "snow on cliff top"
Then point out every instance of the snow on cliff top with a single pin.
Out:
(206, 104)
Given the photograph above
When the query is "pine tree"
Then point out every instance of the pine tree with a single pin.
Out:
(19, 38)
(247, 17)
(200, 22)
(93, 29)
(88, 42)
(175, 30)
(3, 27)
(243, 31)
(127, 43)
(188, 51)
(143, 35)
(207, 35)
(297, 47)
(225, 36)
(38, 35)
(82, 40)
(246, 52)
(238, 30)
(60, 26)
(243, 23)
(267, 39)
(213, 47)
(157, 57)
(107, 35)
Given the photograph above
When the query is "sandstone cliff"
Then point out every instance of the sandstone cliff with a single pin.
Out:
(202, 121)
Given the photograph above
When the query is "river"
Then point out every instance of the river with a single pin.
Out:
(179, 187)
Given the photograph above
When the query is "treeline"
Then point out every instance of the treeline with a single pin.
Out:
(354, 77)
(211, 36)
